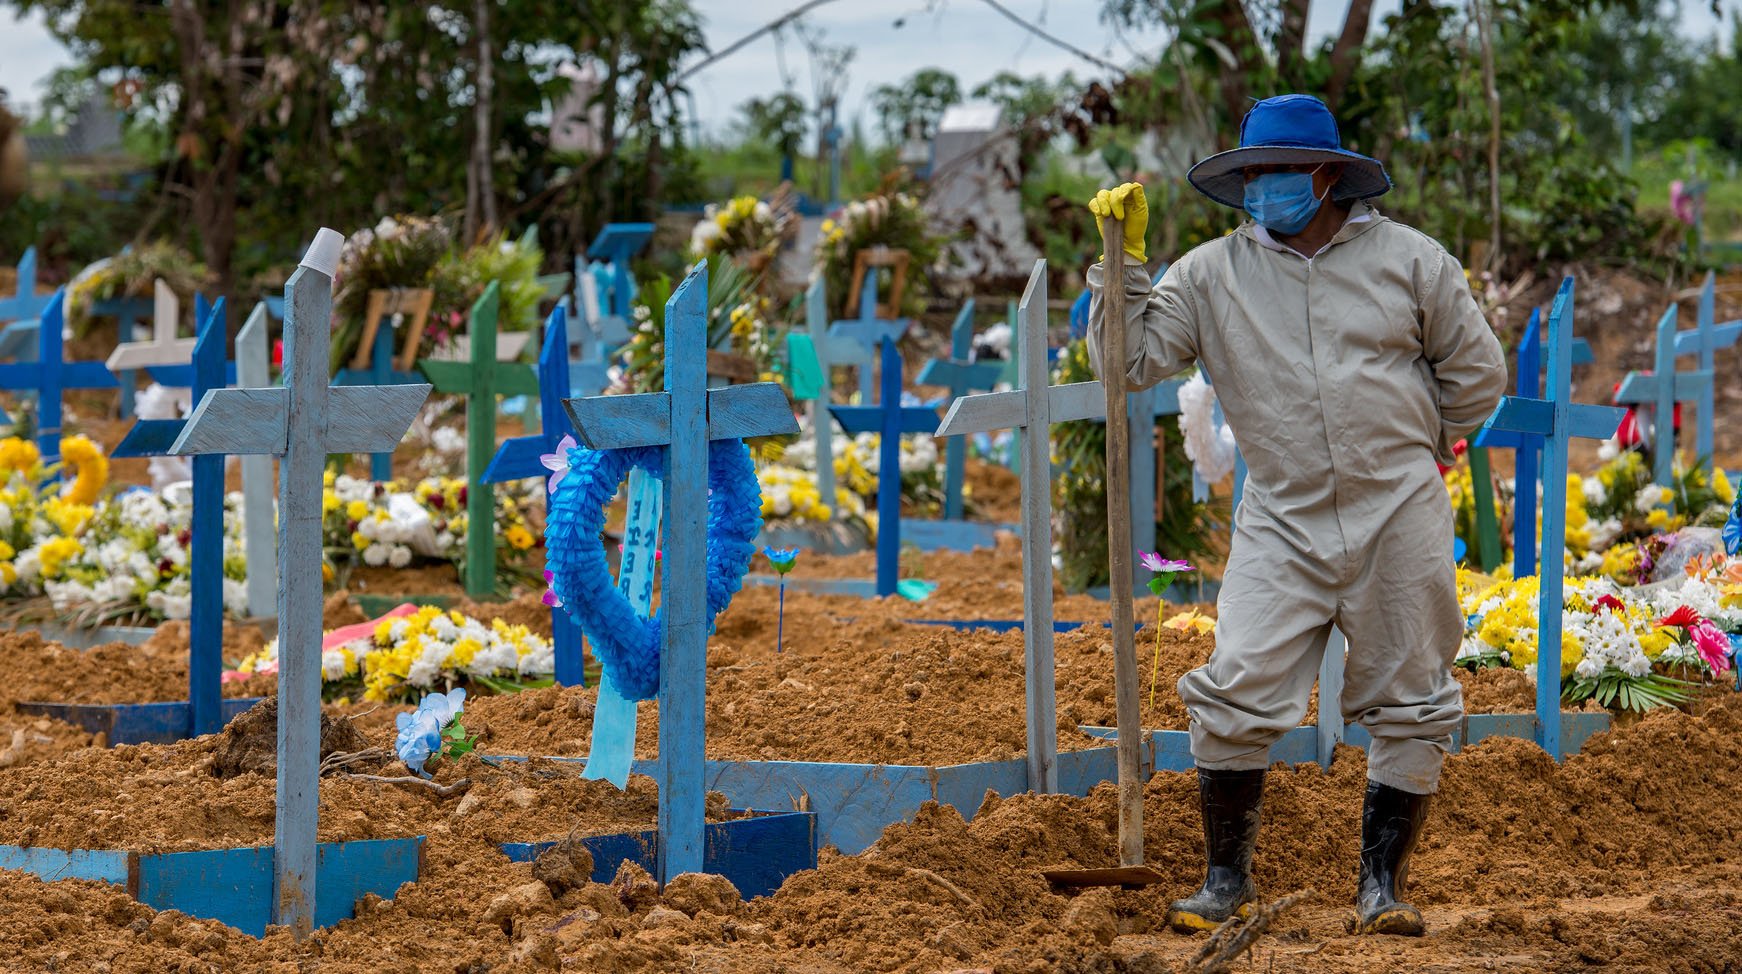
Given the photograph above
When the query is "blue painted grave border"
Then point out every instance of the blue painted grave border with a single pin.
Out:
(134, 723)
(232, 886)
(757, 852)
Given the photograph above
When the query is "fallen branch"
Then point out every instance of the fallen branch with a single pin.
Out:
(441, 791)
(1237, 935)
(339, 760)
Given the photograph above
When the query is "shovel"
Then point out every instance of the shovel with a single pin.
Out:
(1131, 872)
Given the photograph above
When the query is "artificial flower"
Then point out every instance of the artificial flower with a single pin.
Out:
(558, 463)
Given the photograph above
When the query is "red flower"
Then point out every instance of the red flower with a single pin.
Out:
(1682, 616)
(1612, 604)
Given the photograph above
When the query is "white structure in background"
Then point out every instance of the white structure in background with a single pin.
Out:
(976, 185)
(575, 121)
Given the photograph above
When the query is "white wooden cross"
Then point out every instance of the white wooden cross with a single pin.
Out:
(1031, 408)
(301, 423)
(164, 348)
(259, 520)
(683, 419)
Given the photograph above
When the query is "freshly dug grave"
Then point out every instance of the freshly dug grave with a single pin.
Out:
(210, 793)
(940, 696)
(1620, 859)
(33, 668)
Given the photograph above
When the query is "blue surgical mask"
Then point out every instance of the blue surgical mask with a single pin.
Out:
(1282, 202)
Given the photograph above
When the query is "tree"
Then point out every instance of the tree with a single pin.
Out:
(914, 107)
(779, 120)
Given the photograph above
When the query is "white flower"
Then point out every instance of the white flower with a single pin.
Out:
(448, 440)
(1609, 449)
(399, 557)
(376, 555)
(1594, 492)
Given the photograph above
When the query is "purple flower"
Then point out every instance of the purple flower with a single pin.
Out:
(550, 596)
(1152, 561)
(558, 463)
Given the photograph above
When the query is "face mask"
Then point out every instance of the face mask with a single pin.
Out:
(1282, 202)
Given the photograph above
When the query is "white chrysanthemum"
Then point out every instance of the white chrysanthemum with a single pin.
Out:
(448, 440)
(1208, 443)
(399, 557)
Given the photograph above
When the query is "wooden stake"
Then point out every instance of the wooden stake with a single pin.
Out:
(1125, 677)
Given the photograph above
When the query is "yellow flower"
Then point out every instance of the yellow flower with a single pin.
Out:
(1658, 518)
(1190, 620)
(55, 552)
(356, 510)
(18, 455)
(8, 574)
(90, 466)
(329, 502)
(518, 537)
(1721, 486)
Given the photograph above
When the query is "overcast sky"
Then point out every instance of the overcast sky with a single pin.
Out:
(964, 36)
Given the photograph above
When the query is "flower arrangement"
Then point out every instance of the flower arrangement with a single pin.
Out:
(432, 730)
(412, 653)
(1618, 646)
(390, 524)
(743, 226)
(893, 220)
(421, 252)
(738, 322)
(133, 273)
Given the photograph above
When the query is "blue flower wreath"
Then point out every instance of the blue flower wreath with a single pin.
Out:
(626, 643)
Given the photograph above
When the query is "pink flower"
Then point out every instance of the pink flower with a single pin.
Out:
(1713, 645)
(1152, 561)
(558, 463)
(550, 596)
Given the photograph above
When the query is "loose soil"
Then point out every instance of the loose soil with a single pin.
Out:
(1620, 858)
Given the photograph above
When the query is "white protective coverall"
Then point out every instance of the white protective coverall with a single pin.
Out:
(1343, 377)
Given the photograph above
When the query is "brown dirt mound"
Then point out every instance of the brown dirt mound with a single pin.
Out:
(33, 668)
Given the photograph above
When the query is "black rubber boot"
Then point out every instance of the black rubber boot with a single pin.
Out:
(1230, 801)
(1391, 821)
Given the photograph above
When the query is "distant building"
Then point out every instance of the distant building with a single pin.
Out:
(977, 188)
(576, 121)
(94, 133)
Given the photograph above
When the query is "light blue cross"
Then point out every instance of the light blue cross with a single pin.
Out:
(1705, 340)
(301, 422)
(50, 375)
(1557, 420)
(1661, 389)
(854, 341)
(961, 376)
(379, 372)
(683, 420)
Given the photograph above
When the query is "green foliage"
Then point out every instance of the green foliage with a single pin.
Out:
(893, 220)
(514, 264)
(132, 273)
(778, 121)
(729, 287)
(1079, 456)
(1618, 691)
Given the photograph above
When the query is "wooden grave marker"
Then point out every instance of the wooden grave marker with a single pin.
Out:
(855, 341)
(822, 422)
(22, 308)
(961, 375)
(1557, 420)
(373, 363)
(1660, 390)
(683, 420)
(259, 518)
(518, 458)
(611, 251)
(156, 437)
(51, 375)
(890, 419)
(480, 381)
(1705, 340)
(301, 422)
(132, 315)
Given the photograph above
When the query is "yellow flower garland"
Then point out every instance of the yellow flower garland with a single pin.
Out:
(89, 466)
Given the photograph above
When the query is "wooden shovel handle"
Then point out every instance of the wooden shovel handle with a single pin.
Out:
(1125, 678)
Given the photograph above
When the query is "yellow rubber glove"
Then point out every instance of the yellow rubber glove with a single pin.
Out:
(1127, 203)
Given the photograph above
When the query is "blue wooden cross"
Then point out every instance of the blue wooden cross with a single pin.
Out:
(1706, 338)
(889, 419)
(301, 422)
(50, 375)
(961, 376)
(591, 373)
(377, 367)
(854, 341)
(683, 419)
(594, 325)
(1662, 388)
(518, 458)
(1526, 448)
(614, 246)
(156, 437)
(24, 304)
(1031, 409)
(1557, 420)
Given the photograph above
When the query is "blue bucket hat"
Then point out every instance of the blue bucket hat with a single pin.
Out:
(1285, 130)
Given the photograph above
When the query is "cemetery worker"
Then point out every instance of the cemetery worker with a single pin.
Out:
(1348, 356)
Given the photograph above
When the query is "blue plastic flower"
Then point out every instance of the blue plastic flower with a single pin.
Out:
(781, 558)
(420, 732)
(1733, 529)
